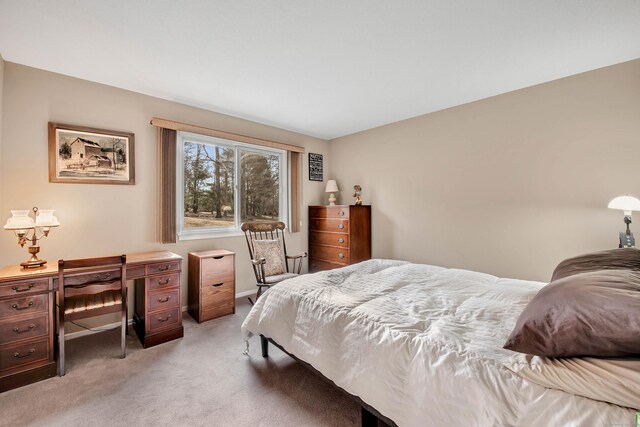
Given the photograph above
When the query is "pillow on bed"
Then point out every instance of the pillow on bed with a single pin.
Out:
(272, 252)
(588, 314)
(615, 381)
(613, 259)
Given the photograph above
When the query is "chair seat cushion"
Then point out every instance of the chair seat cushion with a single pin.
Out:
(80, 303)
(270, 280)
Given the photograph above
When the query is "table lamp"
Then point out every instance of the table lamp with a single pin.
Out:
(332, 187)
(31, 229)
(627, 204)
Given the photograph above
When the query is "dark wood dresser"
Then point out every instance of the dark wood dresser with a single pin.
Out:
(212, 284)
(338, 235)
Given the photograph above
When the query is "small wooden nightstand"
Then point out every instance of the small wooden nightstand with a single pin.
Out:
(212, 284)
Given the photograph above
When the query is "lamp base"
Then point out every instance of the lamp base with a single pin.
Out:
(33, 263)
(332, 199)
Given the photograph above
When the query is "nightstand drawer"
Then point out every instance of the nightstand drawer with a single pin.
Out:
(163, 282)
(24, 354)
(331, 239)
(216, 270)
(164, 299)
(24, 329)
(335, 225)
(25, 305)
(24, 287)
(327, 253)
(329, 212)
(164, 319)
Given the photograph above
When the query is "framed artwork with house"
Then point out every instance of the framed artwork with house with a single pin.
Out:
(85, 155)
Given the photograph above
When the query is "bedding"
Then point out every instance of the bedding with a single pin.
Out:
(421, 344)
(612, 259)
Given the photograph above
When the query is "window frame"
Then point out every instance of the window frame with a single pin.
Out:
(185, 233)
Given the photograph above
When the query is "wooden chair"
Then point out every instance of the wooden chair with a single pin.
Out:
(255, 232)
(91, 287)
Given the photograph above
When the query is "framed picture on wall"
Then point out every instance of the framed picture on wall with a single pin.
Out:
(84, 155)
(315, 167)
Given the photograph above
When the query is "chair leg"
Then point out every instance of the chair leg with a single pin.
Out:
(123, 328)
(126, 328)
(61, 338)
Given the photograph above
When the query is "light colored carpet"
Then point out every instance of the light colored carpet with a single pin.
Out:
(201, 379)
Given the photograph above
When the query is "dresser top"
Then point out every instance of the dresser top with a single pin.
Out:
(212, 253)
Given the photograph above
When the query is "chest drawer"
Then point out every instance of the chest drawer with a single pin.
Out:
(329, 212)
(331, 239)
(217, 270)
(163, 267)
(24, 354)
(24, 287)
(165, 281)
(164, 319)
(335, 225)
(24, 329)
(25, 305)
(317, 265)
(327, 253)
(164, 299)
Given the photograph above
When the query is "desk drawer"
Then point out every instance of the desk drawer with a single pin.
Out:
(24, 287)
(24, 305)
(24, 354)
(164, 299)
(24, 329)
(331, 239)
(335, 225)
(163, 282)
(164, 319)
(328, 253)
(163, 267)
(217, 270)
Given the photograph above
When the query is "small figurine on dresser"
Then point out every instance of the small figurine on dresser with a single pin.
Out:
(357, 194)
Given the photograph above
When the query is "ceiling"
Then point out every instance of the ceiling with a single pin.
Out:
(323, 68)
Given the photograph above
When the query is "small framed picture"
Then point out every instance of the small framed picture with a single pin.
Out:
(84, 155)
(315, 167)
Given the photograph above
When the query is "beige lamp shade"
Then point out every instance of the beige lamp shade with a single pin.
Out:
(19, 220)
(332, 186)
(45, 218)
(625, 203)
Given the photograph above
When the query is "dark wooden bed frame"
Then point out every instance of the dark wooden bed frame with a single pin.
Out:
(370, 416)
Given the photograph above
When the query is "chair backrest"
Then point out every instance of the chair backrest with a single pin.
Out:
(265, 231)
(92, 275)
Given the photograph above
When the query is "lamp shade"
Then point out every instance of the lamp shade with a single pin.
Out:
(332, 186)
(625, 203)
(45, 218)
(20, 220)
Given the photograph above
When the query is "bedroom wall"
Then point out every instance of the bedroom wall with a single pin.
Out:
(508, 185)
(1, 103)
(109, 219)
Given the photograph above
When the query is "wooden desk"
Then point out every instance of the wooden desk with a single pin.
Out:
(27, 313)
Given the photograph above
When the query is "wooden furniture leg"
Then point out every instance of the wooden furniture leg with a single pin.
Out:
(264, 343)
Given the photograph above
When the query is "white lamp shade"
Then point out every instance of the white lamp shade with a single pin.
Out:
(45, 218)
(332, 186)
(625, 203)
(20, 220)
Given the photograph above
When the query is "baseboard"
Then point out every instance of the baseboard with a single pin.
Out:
(245, 294)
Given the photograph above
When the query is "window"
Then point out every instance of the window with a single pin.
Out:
(223, 183)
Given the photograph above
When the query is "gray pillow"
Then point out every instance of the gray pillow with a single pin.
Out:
(588, 314)
(612, 259)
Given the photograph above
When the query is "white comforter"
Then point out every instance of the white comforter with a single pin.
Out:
(421, 344)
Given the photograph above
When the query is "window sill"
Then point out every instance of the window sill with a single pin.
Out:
(209, 234)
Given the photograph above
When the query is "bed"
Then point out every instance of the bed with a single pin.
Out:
(421, 344)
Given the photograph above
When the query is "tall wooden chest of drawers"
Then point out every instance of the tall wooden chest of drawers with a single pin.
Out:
(212, 284)
(26, 326)
(338, 235)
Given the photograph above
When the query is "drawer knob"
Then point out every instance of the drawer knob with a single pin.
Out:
(340, 240)
(19, 289)
(104, 276)
(217, 284)
(163, 282)
(341, 226)
(16, 307)
(22, 331)
(160, 319)
(17, 355)
(340, 256)
(341, 213)
(165, 299)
